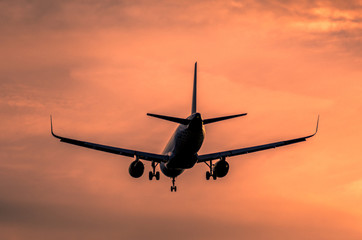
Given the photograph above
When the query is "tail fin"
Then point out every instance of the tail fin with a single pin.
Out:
(193, 108)
(212, 120)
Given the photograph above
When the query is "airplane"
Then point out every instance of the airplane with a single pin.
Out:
(181, 152)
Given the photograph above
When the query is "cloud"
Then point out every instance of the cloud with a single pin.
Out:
(326, 23)
(98, 67)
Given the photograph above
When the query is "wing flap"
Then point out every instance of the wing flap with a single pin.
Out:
(114, 150)
(230, 153)
(236, 152)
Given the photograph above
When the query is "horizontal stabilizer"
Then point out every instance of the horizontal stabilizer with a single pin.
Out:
(212, 120)
(171, 119)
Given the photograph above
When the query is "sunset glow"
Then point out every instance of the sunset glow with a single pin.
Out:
(99, 67)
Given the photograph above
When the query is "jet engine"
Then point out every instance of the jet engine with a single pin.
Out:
(136, 169)
(221, 168)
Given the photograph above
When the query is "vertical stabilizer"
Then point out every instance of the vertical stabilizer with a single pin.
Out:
(193, 109)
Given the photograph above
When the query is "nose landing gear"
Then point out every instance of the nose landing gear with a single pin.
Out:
(173, 187)
(153, 173)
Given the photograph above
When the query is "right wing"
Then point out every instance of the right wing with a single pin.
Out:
(235, 152)
(120, 151)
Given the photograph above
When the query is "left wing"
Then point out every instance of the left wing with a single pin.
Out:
(235, 152)
(120, 151)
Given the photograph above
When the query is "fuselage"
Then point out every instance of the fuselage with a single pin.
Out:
(183, 146)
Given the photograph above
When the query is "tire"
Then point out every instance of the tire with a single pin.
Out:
(157, 176)
(150, 176)
(208, 175)
(214, 176)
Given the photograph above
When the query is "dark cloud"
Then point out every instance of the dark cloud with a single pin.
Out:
(312, 18)
(59, 221)
(80, 15)
(112, 13)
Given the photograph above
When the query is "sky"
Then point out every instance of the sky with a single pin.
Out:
(99, 66)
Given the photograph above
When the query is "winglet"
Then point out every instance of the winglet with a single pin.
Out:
(51, 124)
(51, 127)
(316, 129)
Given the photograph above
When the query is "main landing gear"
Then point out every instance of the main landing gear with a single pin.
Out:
(173, 187)
(153, 173)
(210, 173)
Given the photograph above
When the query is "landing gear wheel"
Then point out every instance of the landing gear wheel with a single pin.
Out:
(173, 187)
(153, 173)
(211, 172)
(208, 175)
(214, 176)
(150, 175)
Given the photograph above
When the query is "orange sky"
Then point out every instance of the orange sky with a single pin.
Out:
(100, 67)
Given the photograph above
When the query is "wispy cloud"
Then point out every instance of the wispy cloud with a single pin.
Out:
(98, 67)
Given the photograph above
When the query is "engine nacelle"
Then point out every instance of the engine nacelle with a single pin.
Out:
(221, 168)
(136, 169)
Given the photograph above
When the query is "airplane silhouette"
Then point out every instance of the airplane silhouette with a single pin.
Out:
(181, 151)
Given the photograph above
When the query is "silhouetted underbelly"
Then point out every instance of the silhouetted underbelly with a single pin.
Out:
(170, 172)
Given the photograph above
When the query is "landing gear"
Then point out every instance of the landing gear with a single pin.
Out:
(173, 187)
(210, 173)
(153, 173)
